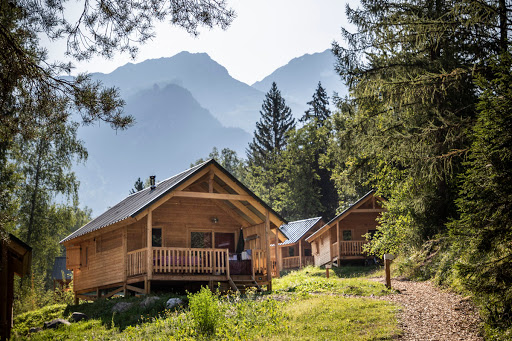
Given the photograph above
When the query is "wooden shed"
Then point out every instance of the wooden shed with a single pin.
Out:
(295, 252)
(15, 258)
(199, 226)
(342, 238)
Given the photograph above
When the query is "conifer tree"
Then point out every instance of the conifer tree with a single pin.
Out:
(265, 173)
(137, 186)
(270, 135)
(318, 107)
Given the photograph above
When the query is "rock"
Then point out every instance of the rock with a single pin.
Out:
(148, 301)
(34, 330)
(121, 306)
(173, 302)
(55, 323)
(76, 316)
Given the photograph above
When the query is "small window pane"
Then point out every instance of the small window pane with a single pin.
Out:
(307, 252)
(201, 240)
(347, 235)
(291, 251)
(156, 237)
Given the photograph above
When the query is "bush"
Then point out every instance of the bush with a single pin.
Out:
(205, 310)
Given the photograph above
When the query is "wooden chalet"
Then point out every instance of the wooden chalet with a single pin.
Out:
(201, 226)
(342, 237)
(295, 252)
(15, 259)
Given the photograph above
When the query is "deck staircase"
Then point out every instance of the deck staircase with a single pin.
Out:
(242, 282)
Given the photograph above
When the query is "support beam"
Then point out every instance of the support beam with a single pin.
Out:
(300, 254)
(125, 252)
(210, 181)
(239, 205)
(267, 249)
(276, 249)
(368, 210)
(339, 240)
(149, 246)
(215, 196)
(275, 220)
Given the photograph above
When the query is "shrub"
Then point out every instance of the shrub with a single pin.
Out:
(206, 311)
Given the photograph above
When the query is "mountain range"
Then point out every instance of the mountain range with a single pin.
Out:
(184, 106)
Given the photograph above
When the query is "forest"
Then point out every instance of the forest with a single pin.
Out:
(427, 124)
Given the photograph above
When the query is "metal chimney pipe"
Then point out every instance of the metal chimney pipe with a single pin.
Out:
(152, 181)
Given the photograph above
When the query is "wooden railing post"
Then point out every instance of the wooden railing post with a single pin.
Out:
(267, 247)
(227, 262)
(149, 247)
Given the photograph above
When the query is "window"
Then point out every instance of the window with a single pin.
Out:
(307, 252)
(291, 251)
(347, 235)
(201, 240)
(225, 241)
(156, 237)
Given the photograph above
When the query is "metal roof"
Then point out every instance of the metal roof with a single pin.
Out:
(59, 267)
(320, 230)
(139, 201)
(295, 230)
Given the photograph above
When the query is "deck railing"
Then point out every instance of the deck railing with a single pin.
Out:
(259, 262)
(136, 262)
(291, 262)
(352, 247)
(190, 260)
(308, 260)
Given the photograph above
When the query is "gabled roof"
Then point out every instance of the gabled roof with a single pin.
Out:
(295, 230)
(340, 216)
(137, 202)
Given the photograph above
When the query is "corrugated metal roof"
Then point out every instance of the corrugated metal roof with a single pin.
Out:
(139, 201)
(320, 230)
(59, 267)
(296, 229)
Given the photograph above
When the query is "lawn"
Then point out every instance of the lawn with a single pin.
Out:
(304, 306)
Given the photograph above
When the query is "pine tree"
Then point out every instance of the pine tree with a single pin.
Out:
(310, 190)
(137, 186)
(270, 134)
(265, 173)
(318, 107)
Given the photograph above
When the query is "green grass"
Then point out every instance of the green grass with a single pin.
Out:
(313, 280)
(326, 317)
(312, 308)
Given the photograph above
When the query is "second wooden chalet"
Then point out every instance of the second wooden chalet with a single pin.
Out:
(295, 252)
(201, 226)
(342, 238)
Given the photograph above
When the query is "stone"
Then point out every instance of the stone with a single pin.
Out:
(77, 316)
(149, 301)
(121, 307)
(173, 302)
(34, 330)
(55, 323)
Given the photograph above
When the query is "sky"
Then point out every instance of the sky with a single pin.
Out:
(265, 35)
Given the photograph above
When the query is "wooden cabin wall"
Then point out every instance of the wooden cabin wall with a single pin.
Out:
(257, 243)
(180, 216)
(104, 261)
(136, 235)
(359, 224)
(323, 249)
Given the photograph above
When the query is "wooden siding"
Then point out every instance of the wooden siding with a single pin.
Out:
(322, 252)
(101, 267)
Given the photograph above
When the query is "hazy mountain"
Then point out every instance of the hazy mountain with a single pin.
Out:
(171, 131)
(298, 79)
(233, 103)
(184, 106)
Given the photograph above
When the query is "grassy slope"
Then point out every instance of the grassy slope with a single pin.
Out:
(304, 306)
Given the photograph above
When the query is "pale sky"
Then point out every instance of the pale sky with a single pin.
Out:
(265, 35)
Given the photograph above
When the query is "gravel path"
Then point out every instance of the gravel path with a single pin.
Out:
(431, 314)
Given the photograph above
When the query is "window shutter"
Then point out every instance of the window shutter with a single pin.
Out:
(73, 257)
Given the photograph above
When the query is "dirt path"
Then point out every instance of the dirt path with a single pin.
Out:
(431, 314)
